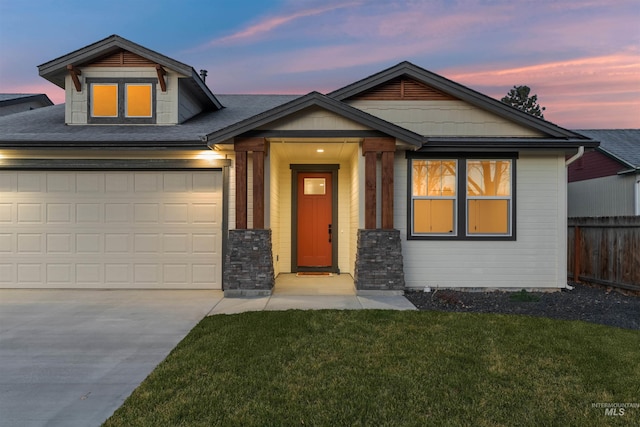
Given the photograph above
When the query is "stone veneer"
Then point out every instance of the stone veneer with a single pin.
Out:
(248, 265)
(379, 268)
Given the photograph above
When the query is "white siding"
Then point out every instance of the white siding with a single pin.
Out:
(607, 196)
(443, 118)
(537, 259)
(316, 119)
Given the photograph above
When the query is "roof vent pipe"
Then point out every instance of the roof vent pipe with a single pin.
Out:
(575, 156)
(203, 75)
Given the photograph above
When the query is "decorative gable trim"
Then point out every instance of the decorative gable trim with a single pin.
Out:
(121, 58)
(402, 89)
(109, 48)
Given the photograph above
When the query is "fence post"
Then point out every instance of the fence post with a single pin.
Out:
(576, 253)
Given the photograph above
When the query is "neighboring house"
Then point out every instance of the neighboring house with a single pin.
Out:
(404, 179)
(606, 181)
(16, 102)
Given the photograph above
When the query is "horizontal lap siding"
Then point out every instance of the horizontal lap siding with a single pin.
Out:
(442, 118)
(530, 261)
(607, 196)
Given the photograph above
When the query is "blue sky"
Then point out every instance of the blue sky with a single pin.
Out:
(581, 57)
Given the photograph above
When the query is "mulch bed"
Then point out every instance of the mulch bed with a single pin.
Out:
(594, 304)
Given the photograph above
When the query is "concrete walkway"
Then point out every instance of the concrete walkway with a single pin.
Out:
(71, 357)
(306, 302)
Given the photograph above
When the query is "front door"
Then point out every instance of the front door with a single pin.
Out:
(314, 219)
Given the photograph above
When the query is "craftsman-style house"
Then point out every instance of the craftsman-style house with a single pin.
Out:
(145, 178)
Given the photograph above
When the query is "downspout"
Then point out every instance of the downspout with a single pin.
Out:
(575, 157)
(570, 160)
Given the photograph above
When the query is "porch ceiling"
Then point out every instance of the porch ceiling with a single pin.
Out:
(305, 150)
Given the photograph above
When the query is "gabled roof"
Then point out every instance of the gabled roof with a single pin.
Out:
(314, 99)
(623, 145)
(16, 98)
(455, 90)
(56, 70)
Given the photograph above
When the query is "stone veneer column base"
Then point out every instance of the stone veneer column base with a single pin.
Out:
(379, 268)
(248, 265)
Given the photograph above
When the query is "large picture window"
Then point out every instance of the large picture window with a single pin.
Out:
(121, 101)
(462, 198)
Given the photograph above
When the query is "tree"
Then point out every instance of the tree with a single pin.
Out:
(519, 97)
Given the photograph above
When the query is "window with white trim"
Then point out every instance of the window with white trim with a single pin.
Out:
(461, 198)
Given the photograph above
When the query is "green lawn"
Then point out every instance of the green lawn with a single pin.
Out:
(377, 368)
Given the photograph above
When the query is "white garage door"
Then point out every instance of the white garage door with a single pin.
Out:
(110, 229)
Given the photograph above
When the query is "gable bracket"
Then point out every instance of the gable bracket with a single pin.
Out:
(74, 73)
(161, 73)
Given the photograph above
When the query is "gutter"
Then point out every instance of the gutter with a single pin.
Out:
(576, 156)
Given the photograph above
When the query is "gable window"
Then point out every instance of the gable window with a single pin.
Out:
(138, 100)
(462, 198)
(105, 100)
(121, 101)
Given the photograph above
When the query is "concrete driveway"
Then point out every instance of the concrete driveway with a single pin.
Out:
(71, 357)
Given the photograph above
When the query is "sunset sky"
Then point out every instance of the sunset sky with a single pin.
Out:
(581, 57)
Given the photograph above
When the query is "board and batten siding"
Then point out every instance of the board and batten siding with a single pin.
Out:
(607, 196)
(443, 118)
(535, 260)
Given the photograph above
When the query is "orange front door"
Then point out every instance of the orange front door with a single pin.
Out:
(314, 219)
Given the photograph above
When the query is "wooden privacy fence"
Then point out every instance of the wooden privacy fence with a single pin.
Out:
(605, 250)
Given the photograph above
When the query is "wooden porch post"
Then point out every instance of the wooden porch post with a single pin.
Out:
(258, 190)
(259, 147)
(387, 190)
(241, 190)
(370, 149)
(370, 159)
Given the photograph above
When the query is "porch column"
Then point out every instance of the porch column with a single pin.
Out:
(370, 149)
(259, 147)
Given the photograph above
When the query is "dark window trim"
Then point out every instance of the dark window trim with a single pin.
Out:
(461, 190)
(325, 168)
(121, 119)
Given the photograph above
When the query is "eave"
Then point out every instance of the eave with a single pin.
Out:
(442, 144)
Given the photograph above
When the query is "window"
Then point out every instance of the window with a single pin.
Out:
(105, 100)
(121, 101)
(488, 196)
(462, 198)
(138, 98)
(314, 186)
(434, 196)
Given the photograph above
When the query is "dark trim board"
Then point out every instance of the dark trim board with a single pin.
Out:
(314, 134)
(295, 169)
(112, 164)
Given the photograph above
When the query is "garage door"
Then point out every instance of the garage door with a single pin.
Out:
(110, 229)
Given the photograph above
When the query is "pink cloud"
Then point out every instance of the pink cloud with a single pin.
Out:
(601, 91)
(271, 23)
(55, 94)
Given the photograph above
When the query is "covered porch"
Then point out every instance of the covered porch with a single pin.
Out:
(313, 201)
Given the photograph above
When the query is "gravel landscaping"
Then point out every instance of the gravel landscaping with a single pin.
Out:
(590, 304)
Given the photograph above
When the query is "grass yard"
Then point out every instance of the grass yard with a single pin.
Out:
(384, 368)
